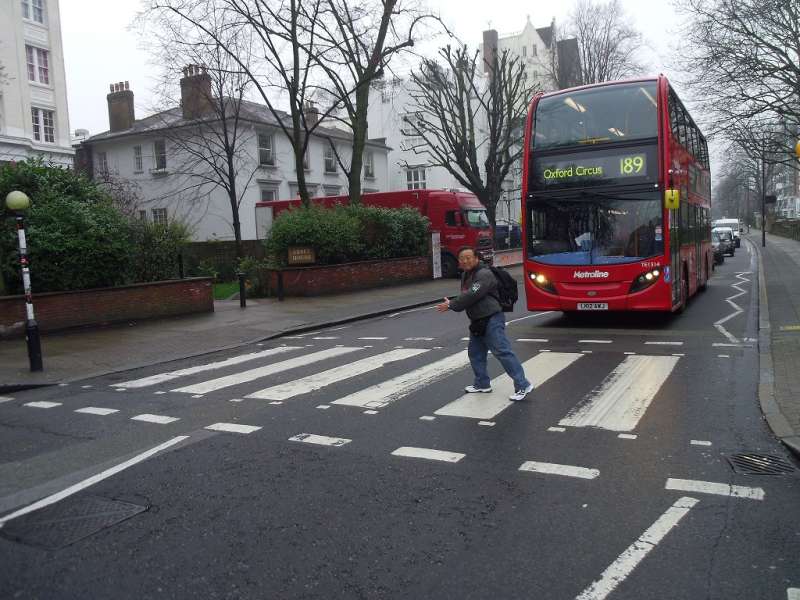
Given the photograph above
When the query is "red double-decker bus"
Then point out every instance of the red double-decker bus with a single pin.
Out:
(616, 199)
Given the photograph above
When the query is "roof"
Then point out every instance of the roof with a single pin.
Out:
(546, 33)
(249, 111)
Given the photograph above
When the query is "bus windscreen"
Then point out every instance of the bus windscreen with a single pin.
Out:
(615, 113)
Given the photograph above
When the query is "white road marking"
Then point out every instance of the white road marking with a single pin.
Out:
(624, 565)
(323, 406)
(246, 376)
(700, 443)
(317, 381)
(384, 393)
(428, 454)
(530, 317)
(63, 384)
(5, 399)
(373, 338)
(793, 594)
(630, 353)
(557, 429)
(427, 418)
(661, 343)
(627, 436)
(535, 340)
(418, 339)
(466, 339)
(719, 345)
(42, 404)
(197, 396)
(73, 489)
(370, 412)
(94, 410)
(329, 337)
(162, 377)
(595, 341)
(723, 355)
(236, 400)
(276, 403)
(586, 352)
(319, 440)
(233, 428)
(555, 469)
(538, 369)
(718, 489)
(159, 419)
(486, 423)
(737, 309)
(623, 396)
(86, 387)
(678, 354)
(159, 393)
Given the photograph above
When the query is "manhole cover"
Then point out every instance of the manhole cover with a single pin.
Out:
(68, 521)
(760, 464)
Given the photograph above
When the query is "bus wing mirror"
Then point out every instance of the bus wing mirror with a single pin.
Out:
(672, 199)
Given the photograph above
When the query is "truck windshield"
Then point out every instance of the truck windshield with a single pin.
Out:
(476, 217)
(590, 229)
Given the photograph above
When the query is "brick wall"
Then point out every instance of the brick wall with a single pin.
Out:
(333, 279)
(62, 310)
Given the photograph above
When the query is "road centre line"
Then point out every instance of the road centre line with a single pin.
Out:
(662, 343)
(536, 340)
(158, 419)
(627, 436)
(595, 341)
(624, 565)
(428, 454)
(700, 443)
(232, 428)
(556, 469)
(5, 399)
(42, 404)
(557, 429)
(373, 338)
(326, 337)
(94, 410)
(319, 440)
(718, 489)
(52, 499)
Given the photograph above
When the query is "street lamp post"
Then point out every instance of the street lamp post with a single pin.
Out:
(17, 202)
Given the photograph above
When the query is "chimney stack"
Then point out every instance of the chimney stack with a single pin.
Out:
(489, 51)
(196, 96)
(120, 107)
(311, 113)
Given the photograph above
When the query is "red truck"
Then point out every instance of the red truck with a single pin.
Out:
(459, 217)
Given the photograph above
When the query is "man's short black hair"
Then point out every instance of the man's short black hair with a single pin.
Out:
(463, 248)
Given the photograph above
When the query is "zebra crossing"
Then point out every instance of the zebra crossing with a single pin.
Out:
(616, 403)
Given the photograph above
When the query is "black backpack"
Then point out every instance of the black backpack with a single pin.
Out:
(506, 292)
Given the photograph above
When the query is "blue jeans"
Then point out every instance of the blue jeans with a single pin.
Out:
(496, 341)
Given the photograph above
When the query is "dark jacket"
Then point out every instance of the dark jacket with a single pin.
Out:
(477, 294)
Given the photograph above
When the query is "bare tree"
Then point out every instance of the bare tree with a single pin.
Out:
(460, 119)
(608, 44)
(742, 59)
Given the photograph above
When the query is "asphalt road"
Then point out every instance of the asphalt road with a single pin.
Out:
(370, 476)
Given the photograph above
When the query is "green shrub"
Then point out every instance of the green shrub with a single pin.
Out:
(157, 248)
(349, 233)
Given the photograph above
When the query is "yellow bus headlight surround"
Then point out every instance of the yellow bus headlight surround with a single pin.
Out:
(645, 280)
(542, 282)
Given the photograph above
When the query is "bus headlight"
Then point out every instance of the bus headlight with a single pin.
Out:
(645, 280)
(542, 282)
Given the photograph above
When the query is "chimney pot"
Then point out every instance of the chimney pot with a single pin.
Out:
(120, 107)
(196, 95)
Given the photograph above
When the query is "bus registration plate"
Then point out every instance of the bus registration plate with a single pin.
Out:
(592, 306)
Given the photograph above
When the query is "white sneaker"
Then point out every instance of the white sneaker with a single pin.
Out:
(520, 394)
(471, 389)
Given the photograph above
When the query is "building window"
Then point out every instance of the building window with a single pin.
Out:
(269, 193)
(266, 149)
(143, 215)
(330, 160)
(43, 125)
(305, 157)
(159, 216)
(33, 9)
(369, 165)
(416, 178)
(160, 155)
(102, 162)
(524, 51)
(535, 50)
(332, 190)
(137, 159)
(38, 60)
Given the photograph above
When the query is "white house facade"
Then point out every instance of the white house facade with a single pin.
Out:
(150, 157)
(34, 119)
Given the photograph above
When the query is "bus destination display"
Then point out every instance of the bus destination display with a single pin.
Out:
(579, 170)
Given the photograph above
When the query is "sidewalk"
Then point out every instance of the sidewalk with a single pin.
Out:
(779, 335)
(90, 352)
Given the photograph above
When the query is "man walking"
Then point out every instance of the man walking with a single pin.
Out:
(487, 328)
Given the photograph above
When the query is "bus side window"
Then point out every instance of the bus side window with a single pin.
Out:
(450, 218)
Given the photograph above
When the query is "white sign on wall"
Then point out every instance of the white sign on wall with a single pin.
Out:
(436, 254)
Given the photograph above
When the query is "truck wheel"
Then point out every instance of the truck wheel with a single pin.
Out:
(449, 267)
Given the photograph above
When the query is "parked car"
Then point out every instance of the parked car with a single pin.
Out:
(735, 226)
(727, 239)
(505, 230)
(719, 247)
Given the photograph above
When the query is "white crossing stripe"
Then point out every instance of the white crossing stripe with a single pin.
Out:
(320, 440)
(623, 396)
(318, 381)
(160, 419)
(245, 376)
(719, 489)
(556, 469)
(94, 410)
(624, 565)
(233, 428)
(386, 392)
(162, 377)
(428, 454)
(42, 404)
(538, 369)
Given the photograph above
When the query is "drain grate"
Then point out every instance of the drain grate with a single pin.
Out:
(751, 463)
(68, 521)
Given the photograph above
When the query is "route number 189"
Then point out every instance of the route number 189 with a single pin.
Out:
(632, 165)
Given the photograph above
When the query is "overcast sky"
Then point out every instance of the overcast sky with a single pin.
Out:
(100, 48)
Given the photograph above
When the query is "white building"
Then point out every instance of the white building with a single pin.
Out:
(149, 157)
(34, 120)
